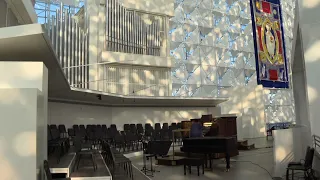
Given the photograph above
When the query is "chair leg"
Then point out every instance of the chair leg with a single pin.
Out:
(287, 174)
(292, 175)
(202, 168)
(184, 169)
(198, 170)
(79, 161)
(189, 169)
(93, 164)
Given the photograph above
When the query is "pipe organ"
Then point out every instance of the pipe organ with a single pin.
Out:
(129, 31)
(70, 43)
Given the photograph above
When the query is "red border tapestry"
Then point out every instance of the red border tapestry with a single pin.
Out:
(271, 63)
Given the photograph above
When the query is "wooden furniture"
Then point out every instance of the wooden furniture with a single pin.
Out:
(228, 128)
(188, 162)
(210, 145)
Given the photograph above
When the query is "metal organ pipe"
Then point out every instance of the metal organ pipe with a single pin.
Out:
(70, 43)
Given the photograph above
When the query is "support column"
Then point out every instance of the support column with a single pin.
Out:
(23, 109)
(310, 45)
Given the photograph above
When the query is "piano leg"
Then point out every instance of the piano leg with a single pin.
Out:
(228, 162)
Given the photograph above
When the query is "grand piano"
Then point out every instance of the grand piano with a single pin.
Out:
(209, 146)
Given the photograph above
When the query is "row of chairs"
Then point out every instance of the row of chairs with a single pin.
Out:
(116, 161)
(134, 128)
(56, 144)
(128, 140)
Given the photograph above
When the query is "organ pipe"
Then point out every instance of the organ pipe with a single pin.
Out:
(126, 31)
(70, 43)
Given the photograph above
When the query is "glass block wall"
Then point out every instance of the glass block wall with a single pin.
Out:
(212, 46)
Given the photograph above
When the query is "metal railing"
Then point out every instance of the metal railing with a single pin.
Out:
(132, 32)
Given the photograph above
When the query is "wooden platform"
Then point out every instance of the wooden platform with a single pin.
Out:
(170, 161)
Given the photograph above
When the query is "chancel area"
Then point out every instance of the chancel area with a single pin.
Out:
(159, 89)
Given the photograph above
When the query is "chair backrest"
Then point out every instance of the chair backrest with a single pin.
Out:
(165, 126)
(157, 126)
(47, 170)
(139, 128)
(55, 134)
(309, 158)
(49, 136)
(71, 132)
(62, 128)
(179, 126)
(126, 127)
(53, 126)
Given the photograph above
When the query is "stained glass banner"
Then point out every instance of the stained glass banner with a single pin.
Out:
(271, 62)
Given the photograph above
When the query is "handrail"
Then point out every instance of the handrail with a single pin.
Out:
(316, 141)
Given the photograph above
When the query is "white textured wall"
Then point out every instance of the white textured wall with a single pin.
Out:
(18, 137)
(69, 114)
(310, 27)
(23, 109)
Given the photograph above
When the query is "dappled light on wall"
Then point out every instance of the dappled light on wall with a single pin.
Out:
(312, 94)
(24, 144)
(310, 3)
(312, 53)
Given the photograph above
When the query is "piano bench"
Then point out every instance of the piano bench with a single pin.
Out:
(193, 162)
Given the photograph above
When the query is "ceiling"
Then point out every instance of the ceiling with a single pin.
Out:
(30, 43)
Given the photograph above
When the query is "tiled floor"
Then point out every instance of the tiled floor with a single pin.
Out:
(252, 164)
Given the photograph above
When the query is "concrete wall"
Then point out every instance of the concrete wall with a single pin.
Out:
(310, 28)
(23, 109)
(69, 114)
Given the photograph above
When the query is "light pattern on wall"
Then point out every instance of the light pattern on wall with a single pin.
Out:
(212, 47)
(136, 81)
(211, 44)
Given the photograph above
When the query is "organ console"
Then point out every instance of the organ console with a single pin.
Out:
(223, 145)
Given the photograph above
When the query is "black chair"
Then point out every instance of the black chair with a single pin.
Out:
(83, 149)
(165, 126)
(148, 130)
(53, 126)
(48, 173)
(157, 127)
(179, 126)
(188, 162)
(71, 132)
(305, 165)
(59, 145)
(140, 129)
(116, 162)
(126, 127)
(62, 130)
(133, 128)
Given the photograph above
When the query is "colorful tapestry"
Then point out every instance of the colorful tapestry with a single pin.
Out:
(271, 63)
